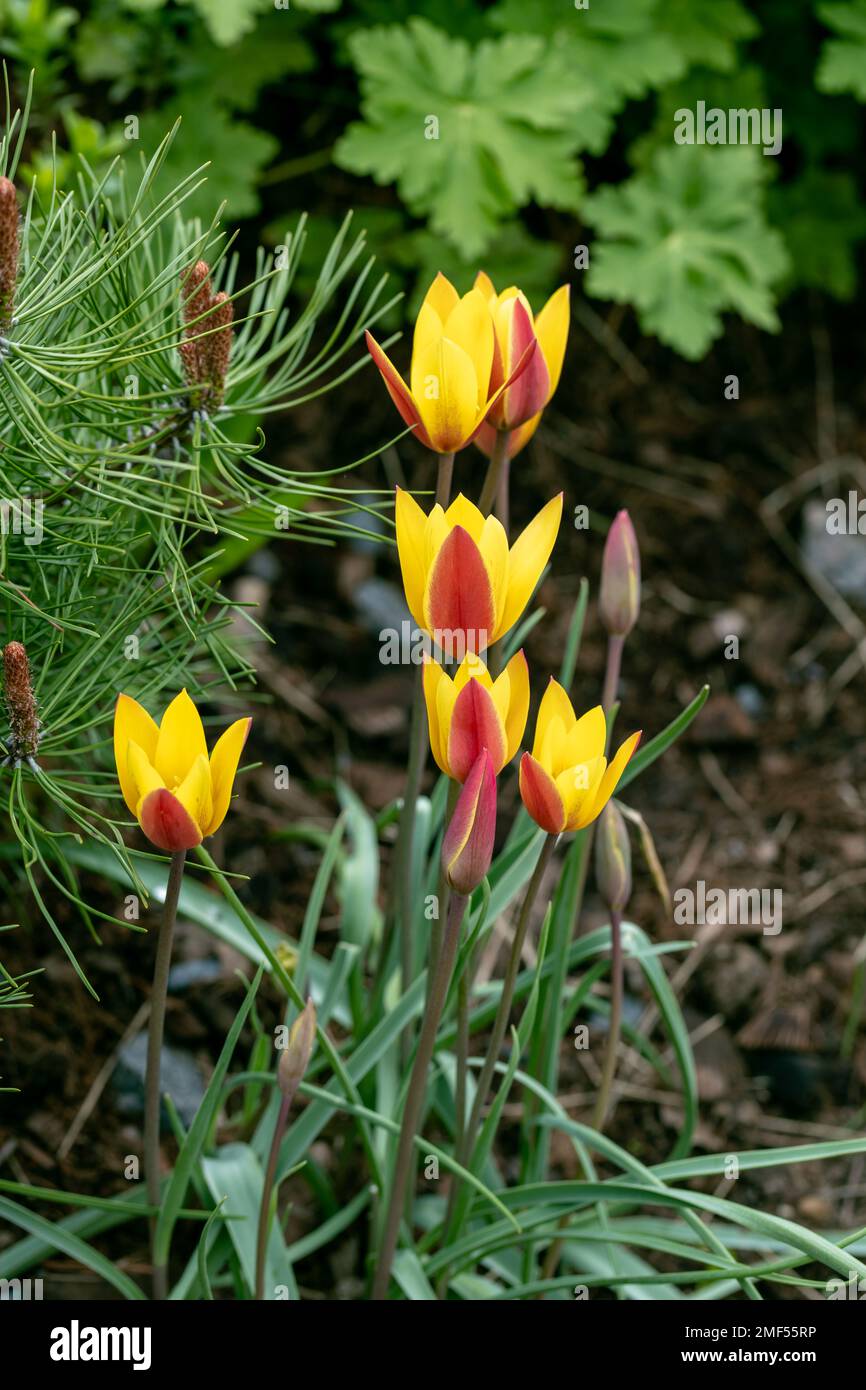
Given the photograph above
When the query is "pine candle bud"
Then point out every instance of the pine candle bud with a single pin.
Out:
(296, 1056)
(206, 345)
(219, 343)
(467, 846)
(613, 858)
(619, 597)
(20, 703)
(9, 247)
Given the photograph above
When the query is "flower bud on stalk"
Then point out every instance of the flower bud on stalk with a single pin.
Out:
(467, 847)
(296, 1056)
(619, 597)
(24, 725)
(9, 248)
(613, 858)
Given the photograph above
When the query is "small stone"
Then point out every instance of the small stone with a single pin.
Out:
(180, 1076)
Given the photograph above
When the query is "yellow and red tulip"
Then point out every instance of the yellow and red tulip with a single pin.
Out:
(449, 391)
(467, 845)
(473, 712)
(567, 781)
(520, 405)
(463, 584)
(176, 792)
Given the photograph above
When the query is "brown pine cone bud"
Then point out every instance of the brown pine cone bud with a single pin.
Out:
(20, 703)
(196, 296)
(219, 343)
(9, 248)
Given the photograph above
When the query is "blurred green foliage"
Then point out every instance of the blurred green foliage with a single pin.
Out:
(504, 133)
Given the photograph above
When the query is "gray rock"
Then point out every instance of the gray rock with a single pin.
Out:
(180, 1076)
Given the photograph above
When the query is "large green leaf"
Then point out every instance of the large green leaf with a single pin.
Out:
(686, 241)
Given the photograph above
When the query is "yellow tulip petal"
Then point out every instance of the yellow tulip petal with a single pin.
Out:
(445, 390)
(441, 297)
(555, 704)
(143, 776)
(484, 283)
(516, 674)
(433, 677)
(428, 330)
(181, 740)
(588, 737)
(436, 532)
(578, 787)
(551, 330)
(528, 557)
(223, 766)
(446, 698)
(411, 524)
(493, 544)
(464, 513)
(131, 723)
(470, 325)
(194, 793)
(616, 768)
(472, 667)
(551, 749)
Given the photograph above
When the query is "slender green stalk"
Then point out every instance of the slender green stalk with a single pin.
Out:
(267, 1190)
(500, 1024)
(443, 891)
(498, 461)
(154, 1053)
(443, 479)
(602, 1103)
(415, 1095)
(608, 699)
(402, 892)
(503, 493)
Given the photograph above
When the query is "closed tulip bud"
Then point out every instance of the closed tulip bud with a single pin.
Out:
(467, 847)
(613, 858)
(619, 597)
(296, 1056)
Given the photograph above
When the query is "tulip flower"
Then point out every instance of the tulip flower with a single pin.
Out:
(567, 781)
(463, 585)
(520, 405)
(619, 593)
(449, 391)
(176, 792)
(473, 712)
(467, 846)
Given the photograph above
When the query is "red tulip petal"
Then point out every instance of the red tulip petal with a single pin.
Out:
(475, 725)
(166, 823)
(467, 846)
(541, 796)
(459, 605)
(398, 390)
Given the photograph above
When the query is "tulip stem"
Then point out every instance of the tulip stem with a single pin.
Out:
(415, 1095)
(613, 663)
(443, 891)
(503, 493)
(602, 1103)
(611, 675)
(500, 1024)
(443, 479)
(267, 1189)
(498, 461)
(154, 1056)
